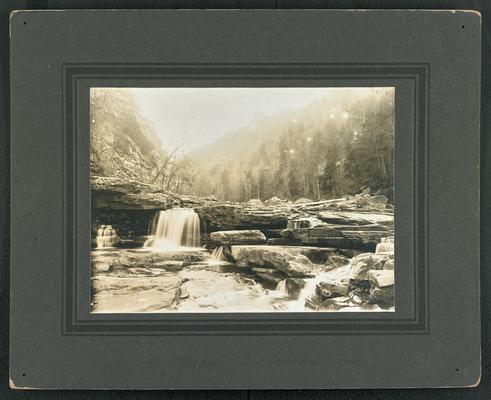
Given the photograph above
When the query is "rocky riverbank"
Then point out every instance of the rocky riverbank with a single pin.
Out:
(274, 255)
(256, 277)
(353, 222)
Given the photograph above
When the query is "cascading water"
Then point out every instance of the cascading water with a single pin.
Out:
(387, 248)
(174, 229)
(217, 254)
(106, 237)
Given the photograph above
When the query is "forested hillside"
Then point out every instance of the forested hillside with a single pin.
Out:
(337, 145)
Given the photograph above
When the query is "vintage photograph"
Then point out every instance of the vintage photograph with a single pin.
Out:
(256, 199)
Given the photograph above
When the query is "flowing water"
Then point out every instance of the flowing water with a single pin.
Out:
(173, 273)
(385, 248)
(217, 254)
(106, 237)
(174, 229)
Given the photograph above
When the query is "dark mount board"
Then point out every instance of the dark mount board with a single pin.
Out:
(432, 340)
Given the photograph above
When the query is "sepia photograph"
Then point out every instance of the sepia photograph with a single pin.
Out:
(242, 199)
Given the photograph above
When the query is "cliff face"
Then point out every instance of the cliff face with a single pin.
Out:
(122, 142)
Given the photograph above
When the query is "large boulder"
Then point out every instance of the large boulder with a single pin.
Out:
(381, 278)
(382, 287)
(293, 286)
(276, 257)
(362, 264)
(373, 260)
(327, 290)
(238, 237)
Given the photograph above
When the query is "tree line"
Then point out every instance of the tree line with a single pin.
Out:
(326, 150)
(349, 150)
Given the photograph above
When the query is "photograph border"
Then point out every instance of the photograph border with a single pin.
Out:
(74, 324)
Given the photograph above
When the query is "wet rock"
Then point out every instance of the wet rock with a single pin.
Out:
(131, 259)
(235, 216)
(357, 218)
(259, 270)
(124, 194)
(284, 242)
(327, 290)
(238, 237)
(294, 286)
(272, 233)
(389, 264)
(337, 260)
(381, 278)
(169, 265)
(364, 263)
(132, 293)
(133, 242)
(227, 254)
(384, 297)
(382, 287)
(339, 218)
(276, 257)
(372, 260)
(304, 222)
(358, 272)
(269, 278)
(100, 266)
(316, 304)
(365, 236)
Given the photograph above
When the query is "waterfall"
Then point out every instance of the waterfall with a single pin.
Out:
(106, 237)
(281, 287)
(174, 229)
(217, 254)
(385, 248)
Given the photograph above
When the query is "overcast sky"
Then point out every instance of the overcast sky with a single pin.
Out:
(193, 117)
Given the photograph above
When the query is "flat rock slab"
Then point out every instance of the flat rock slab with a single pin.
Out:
(149, 259)
(134, 292)
(317, 255)
(355, 218)
(238, 237)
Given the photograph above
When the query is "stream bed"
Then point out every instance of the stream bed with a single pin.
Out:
(210, 285)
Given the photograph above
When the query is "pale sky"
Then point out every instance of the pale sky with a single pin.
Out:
(193, 117)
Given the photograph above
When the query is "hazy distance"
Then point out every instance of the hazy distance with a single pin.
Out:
(190, 118)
